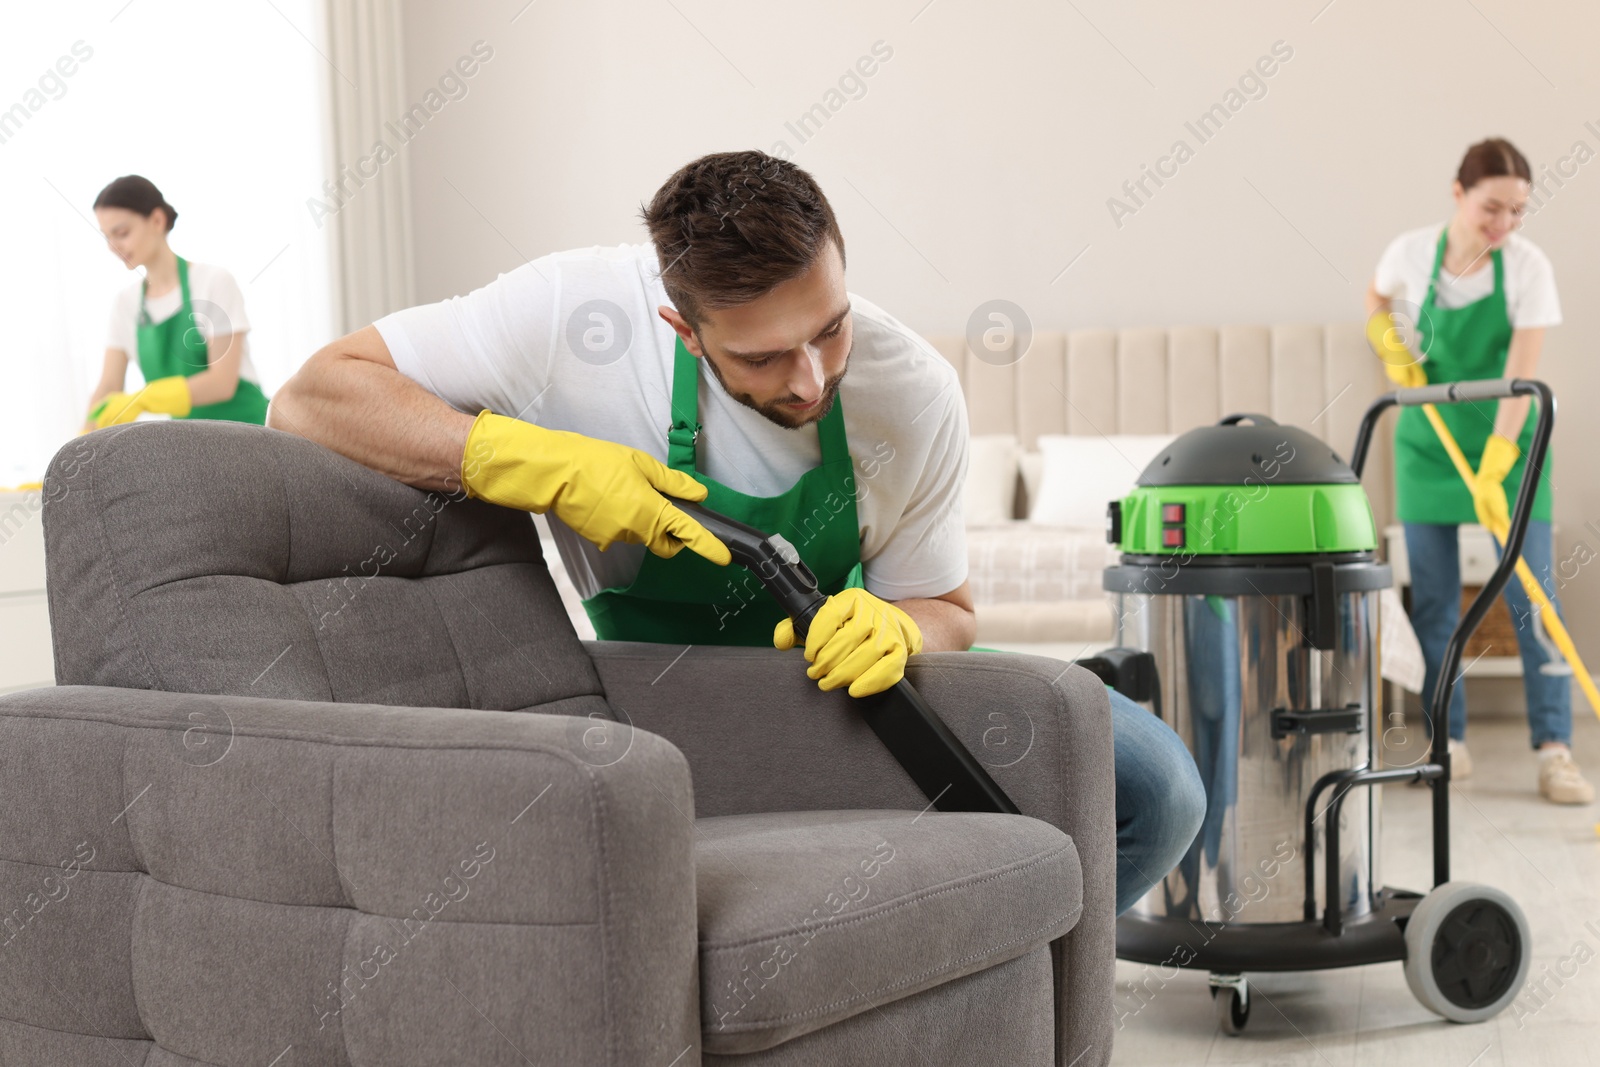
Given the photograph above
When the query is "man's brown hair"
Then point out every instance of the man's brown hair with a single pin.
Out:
(732, 226)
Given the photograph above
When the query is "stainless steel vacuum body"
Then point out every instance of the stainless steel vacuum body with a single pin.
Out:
(1233, 672)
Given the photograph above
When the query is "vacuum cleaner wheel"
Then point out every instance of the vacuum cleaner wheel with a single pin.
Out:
(1233, 1011)
(1230, 998)
(1466, 951)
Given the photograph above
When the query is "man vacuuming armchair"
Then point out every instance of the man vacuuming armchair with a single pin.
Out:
(572, 386)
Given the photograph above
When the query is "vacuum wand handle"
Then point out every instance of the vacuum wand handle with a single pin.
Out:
(948, 775)
(772, 559)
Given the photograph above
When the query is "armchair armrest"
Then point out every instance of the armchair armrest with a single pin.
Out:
(760, 736)
(269, 872)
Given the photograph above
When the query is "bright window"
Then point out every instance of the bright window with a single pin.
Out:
(221, 106)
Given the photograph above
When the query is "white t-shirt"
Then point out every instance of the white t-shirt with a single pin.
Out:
(512, 347)
(1531, 300)
(218, 308)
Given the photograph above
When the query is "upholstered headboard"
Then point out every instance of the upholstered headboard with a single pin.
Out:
(1158, 380)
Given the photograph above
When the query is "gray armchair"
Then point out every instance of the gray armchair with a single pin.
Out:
(328, 778)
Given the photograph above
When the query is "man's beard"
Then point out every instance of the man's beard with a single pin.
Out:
(773, 411)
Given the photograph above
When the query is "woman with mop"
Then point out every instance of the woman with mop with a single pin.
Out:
(1470, 300)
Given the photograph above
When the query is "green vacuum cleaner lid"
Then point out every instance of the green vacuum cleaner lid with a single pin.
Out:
(1244, 488)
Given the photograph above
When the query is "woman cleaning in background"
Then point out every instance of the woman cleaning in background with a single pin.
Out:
(1473, 298)
(195, 365)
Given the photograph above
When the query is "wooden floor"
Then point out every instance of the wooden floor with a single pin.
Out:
(1548, 858)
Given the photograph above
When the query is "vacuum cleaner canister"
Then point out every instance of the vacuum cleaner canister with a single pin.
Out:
(1249, 571)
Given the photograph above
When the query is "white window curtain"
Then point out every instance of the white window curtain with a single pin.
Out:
(366, 196)
(223, 106)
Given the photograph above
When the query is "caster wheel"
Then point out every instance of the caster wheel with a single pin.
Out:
(1466, 951)
(1231, 1002)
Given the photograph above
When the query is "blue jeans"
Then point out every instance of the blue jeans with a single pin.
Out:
(1160, 801)
(1436, 608)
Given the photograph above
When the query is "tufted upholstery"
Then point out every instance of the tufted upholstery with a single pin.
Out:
(233, 879)
(290, 571)
(276, 812)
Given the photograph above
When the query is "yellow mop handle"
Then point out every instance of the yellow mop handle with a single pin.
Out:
(1552, 621)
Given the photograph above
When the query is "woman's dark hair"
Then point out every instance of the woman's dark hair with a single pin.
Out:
(136, 194)
(732, 226)
(1494, 158)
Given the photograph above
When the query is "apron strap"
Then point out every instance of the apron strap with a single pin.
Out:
(183, 283)
(830, 432)
(1438, 261)
(685, 428)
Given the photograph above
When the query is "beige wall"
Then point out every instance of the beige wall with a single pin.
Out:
(981, 157)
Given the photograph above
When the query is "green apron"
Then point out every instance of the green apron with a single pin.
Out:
(1462, 344)
(688, 599)
(174, 346)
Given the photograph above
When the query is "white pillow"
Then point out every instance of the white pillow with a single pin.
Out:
(1032, 475)
(991, 489)
(1085, 472)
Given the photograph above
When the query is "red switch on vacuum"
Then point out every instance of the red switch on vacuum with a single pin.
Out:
(1172, 525)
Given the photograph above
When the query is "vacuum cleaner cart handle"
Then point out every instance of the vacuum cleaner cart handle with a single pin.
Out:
(1457, 393)
(1521, 512)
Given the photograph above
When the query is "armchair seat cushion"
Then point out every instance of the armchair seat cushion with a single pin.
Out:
(808, 918)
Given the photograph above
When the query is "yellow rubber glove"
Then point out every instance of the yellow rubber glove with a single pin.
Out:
(858, 640)
(1399, 363)
(605, 491)
(164, 396)
(1489, 491)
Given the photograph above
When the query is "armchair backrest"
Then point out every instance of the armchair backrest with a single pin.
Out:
(212, 557)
